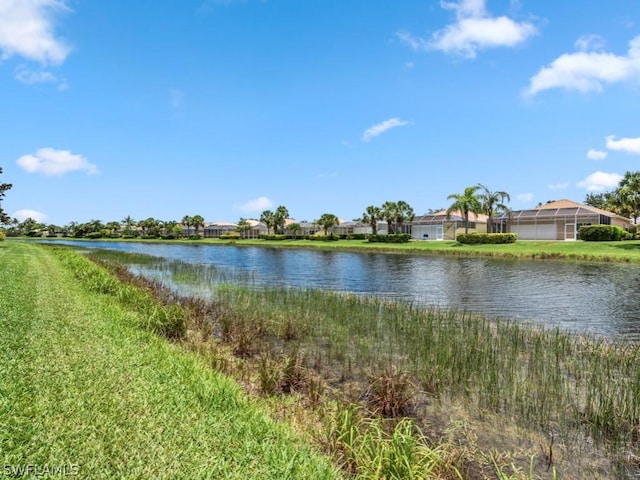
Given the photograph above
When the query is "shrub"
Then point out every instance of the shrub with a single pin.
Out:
(273, 237)
(394, 238)
(325, 238)
(94, 235)
(230, 236)
(493, 238)
(2, 236)
(601, 233)
(195, 237)
(357, 236)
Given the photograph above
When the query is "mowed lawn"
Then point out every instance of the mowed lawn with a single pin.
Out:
(83, 389)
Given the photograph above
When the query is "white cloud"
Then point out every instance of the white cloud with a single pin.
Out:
(599, 181)
(594, 154)
(587, 71)
(382, 127)
(525, 197)
(256, 205)
(27, 30)
(31, 77)
(23, 214)
(629, 145)
(49, 161)
(590, 43)
(473, 30)
(558, 186)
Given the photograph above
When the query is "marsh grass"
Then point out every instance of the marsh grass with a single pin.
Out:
(577, 387)
(579, 393)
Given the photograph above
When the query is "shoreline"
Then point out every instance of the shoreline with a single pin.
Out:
(573, 251)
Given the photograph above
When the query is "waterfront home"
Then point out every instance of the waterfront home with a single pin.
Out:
(557, 220)
(440, 226)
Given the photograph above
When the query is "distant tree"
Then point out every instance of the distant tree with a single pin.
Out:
(389, 213)
(4, 218)
(150, 227)
(295, 228)
(243, 227)
(328, 221)
(372, 215)
(187, 221)
(269, 219)
(71, 228)
(95, 225)
(128, 222)
(31, 227)
(113, 227)
(197, 221)
(493, 203)
(599, 200)
(281, 215)
(53, 229)
(171, 229)
(628, 194)
(403, 213)
(432, 211)
(466, 202)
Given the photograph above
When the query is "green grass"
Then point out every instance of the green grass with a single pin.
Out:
(83, 386)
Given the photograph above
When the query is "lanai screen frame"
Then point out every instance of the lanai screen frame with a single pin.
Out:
(568, 215)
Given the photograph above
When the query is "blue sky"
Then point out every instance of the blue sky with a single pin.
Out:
(225, 108)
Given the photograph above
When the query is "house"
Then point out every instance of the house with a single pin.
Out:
(558, 220)
(440, 226)
(215, 229)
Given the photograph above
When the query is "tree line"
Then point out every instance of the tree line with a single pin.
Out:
(477, 199)
(623, 200)
(397, 214)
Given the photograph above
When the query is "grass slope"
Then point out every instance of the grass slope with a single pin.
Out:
(80, 387)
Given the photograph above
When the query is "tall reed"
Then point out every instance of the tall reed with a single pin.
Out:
(547, 379)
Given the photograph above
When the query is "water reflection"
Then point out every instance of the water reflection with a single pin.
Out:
(601, 299)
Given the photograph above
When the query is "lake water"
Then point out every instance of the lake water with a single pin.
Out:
(601, 299)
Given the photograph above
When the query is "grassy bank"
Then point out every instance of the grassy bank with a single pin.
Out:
(593, 251)
(84, 389)
(627, 251)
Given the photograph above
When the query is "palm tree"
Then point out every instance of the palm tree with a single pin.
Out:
(197, 221)
(372, 215)
(492, 204)
(95, 225)
(404, 213)
(327, 221)
(243, 226)
(389, 213)
(113, 227)
(187, 221)
(268, 218)
(295, 228)
(4, 218)
(281, 216)
(149, 226)
(128, 223)
(628, 194)
(465, 202)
